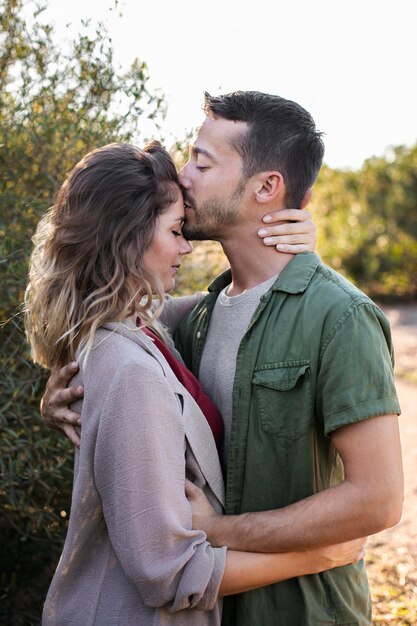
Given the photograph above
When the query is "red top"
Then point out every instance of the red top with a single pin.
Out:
(193, 387)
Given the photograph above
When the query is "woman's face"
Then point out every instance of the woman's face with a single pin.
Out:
(164, 256)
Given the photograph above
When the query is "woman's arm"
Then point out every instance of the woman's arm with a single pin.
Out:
(176, 308)
(245, 571)
(139, 469)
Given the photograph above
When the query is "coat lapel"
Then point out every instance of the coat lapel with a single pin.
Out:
(201, 441)
(197, 429)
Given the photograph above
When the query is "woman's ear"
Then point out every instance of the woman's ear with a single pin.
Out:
(269, 186)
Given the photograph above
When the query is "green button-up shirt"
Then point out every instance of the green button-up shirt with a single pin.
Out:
(317, 355)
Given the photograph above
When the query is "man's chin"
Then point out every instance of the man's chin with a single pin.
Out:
(197, 232)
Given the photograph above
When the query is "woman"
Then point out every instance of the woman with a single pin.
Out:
(109, 244)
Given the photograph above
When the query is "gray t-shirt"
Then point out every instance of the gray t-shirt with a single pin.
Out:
(229, 321)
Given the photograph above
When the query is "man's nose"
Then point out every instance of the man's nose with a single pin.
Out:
(183, 178)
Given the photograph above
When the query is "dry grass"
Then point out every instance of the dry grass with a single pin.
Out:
(392, 573)
(392, 562)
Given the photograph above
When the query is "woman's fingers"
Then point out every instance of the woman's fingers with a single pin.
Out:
(289, 230)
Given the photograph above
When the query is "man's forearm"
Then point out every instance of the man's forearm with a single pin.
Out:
(332, 516)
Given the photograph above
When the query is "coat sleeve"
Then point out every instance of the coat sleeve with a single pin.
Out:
(175, 309)
(139, 468)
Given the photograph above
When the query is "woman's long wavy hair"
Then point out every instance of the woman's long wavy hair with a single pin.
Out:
(87, 265)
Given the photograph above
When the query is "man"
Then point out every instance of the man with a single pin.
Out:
(298, 361)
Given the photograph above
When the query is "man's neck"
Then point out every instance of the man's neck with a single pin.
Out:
(251, 261)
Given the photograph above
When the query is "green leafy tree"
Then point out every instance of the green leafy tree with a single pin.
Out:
(368, 223)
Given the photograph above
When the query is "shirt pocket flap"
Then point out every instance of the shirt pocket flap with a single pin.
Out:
(280, 377)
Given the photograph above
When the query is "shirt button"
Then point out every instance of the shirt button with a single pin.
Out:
(198, 335)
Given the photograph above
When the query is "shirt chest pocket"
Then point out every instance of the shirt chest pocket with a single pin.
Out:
(283, 396)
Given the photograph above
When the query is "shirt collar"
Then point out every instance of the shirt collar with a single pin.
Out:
(294, 278)
(221, 282)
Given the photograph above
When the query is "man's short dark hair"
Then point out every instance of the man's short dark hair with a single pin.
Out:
(282, 136)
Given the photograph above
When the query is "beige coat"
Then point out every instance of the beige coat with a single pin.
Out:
(130, 556)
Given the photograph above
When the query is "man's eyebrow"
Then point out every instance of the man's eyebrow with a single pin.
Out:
(196, 151)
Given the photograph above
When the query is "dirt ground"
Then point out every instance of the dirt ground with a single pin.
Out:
(404, 329)
(392, 554)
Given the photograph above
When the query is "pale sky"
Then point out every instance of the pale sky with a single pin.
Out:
(351, 63)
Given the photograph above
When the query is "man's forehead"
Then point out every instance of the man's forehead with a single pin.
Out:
(217, 134)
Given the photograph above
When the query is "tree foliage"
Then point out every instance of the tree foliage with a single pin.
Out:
(367, 223)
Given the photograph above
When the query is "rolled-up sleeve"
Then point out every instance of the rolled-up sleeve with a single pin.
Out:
(139, 468)
(356, 379)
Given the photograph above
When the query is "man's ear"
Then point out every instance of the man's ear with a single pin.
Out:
(269, 186)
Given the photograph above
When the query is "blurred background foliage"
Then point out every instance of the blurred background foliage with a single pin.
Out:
(58, 102)
(367, 221)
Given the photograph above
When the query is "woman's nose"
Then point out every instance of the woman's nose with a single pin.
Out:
(187, 248)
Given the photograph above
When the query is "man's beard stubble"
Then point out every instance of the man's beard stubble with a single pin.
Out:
(213, 218)
(213, 223)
